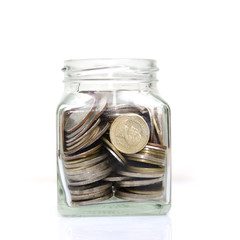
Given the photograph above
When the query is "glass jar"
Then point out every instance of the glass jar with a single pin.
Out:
(113, 140)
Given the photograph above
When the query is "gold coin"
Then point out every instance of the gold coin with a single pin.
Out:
(129, 133)
(146, 170)
(142, 160)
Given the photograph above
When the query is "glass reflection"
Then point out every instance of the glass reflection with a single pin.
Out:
(114, 228)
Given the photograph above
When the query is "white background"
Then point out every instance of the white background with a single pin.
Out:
(197, 46)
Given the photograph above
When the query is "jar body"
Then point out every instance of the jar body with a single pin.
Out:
(113, 149)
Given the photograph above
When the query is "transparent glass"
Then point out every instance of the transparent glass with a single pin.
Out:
(113, 140)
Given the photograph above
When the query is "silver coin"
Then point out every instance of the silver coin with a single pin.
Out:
(90, 188)
(92, 195)
(95, 114)
(93, 138)
(77, 146)
(76, 117)
(103, 128)
(140, 175)
(93, 178)
(81, 130)
(87, 170)
(137, 197)
(141, 182)
(92, 201)
(87, 162)
(102, 103)
(85, 153)
(113, 178)
(77, 138)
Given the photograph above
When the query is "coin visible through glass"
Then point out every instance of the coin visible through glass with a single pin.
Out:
(129, 133)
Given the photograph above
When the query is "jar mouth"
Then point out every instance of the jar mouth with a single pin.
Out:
(110, 69)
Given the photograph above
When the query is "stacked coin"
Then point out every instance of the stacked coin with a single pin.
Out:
(112, 150)
(86, 162)
(140, 173)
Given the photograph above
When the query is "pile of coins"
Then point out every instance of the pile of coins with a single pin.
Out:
(112, 150)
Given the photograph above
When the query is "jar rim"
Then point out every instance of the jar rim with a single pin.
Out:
(109, 68)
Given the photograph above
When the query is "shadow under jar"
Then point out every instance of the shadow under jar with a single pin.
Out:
(113, 140)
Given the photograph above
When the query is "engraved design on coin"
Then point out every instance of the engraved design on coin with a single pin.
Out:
(129, 133)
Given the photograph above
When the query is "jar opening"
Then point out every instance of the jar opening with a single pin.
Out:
(110, 69)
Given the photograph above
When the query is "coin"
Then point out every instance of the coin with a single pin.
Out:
(93, 178)
(82, 143)
(89, 188)
(138, 182)
(151, 124)
(159, 121)
(143, 160)
(139, 174)
(129, 133)
(87, 152)
(82, 162)
(101, 105)
(83, 140)
(87, 170)
(115, 178)
(92, 201)
(103, 128)
(75, 139)
(92, 195)
(77, 116)
(146, 170)
(147, 157)
(136, 197)
(117, 155)
(83, 128)
(156, 146)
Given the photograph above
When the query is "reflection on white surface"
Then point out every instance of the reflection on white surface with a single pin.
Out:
(104, 228)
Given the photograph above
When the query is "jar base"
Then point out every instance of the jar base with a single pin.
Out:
(110, 208)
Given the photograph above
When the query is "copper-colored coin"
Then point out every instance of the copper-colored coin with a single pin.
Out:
(77, 116)
(129, 133)
(156, 146)
(84, 154)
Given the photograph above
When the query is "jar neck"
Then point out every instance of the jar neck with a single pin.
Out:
(101, 85)
(109, 74)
